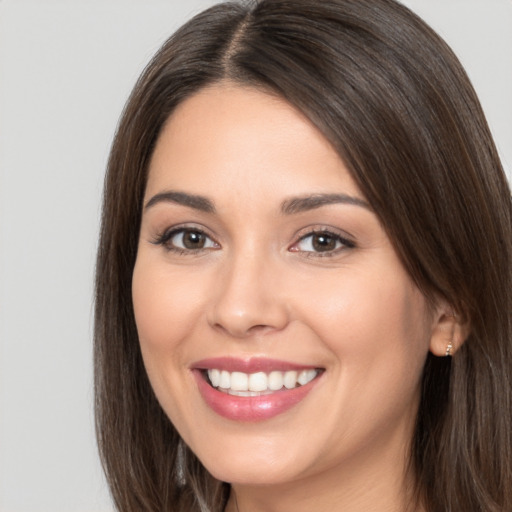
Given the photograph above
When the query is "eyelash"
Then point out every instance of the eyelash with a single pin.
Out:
(165, 238)
(345, 243)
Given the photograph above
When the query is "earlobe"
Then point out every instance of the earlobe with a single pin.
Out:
(449, 332)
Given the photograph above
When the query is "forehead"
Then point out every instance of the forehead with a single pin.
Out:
(241, 136)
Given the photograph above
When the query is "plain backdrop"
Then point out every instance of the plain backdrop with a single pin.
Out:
(66, 69)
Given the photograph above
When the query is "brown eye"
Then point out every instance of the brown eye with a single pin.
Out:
(186, 239)
(193, 240)
(323, 242)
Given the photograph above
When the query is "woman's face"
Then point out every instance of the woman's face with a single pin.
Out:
(280, 332)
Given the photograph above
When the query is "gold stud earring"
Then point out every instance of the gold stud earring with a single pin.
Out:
(449, 349)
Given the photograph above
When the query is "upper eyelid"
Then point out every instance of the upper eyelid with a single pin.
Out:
(166, 234)
(187, 226)
(300, 235)
(312, 230)
(347, 242)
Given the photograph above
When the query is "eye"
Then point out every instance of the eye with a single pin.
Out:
(320, 242)
(186, 240)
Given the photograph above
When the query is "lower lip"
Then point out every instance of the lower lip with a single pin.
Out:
(251, 408)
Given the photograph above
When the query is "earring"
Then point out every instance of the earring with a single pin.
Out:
(449, 347)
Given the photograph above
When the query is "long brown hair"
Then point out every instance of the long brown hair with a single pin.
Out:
(398, 107)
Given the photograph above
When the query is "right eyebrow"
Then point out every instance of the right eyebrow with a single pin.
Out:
(305, 203)
(191, 200)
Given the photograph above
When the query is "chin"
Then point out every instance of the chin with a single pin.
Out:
(251, 473)
(256, 459)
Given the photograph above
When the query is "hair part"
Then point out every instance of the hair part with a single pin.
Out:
(396, 104)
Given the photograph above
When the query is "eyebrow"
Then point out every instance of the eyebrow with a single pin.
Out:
(288, 207)
(191, 200)
(310, 202)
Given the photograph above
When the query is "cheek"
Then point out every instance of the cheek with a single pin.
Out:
(366, 310)
(165, 315)
(378, 332)
(377, 328)
(165, 308)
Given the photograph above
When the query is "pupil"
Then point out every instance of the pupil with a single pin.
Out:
(324, 242)
(193, 240)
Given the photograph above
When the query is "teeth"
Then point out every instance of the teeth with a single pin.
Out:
(240, 382)
(306, 376)
(290, 380)
(224, 380)
(275, 381)
(258, 381)
(244, 384)
(214, 376)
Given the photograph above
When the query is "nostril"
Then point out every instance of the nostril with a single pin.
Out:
(241, 332)
(242, 310)
(260, 329)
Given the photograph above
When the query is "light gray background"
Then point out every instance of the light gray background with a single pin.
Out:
(66, 68)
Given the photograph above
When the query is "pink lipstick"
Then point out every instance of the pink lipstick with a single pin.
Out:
(253, 390)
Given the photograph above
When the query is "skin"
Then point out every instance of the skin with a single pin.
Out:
(259, 288)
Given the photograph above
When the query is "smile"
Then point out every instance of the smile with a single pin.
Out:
(259, 383)
(253, 390)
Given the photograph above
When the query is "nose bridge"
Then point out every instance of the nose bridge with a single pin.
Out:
(247, 299)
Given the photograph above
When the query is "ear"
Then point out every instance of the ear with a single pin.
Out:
(449, 331)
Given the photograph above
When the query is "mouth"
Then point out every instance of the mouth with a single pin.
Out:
(253, 390)
(259, 383)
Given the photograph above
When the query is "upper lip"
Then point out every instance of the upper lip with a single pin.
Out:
(251, 365)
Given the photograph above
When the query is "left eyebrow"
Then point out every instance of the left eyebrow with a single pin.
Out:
(305, 203)
(191, 200)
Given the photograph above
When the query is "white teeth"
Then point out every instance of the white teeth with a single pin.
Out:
(258, 381)
(225, 380)
(214, 376)
(290, 380)
(275, 381)
(239, 383)
(305, 376)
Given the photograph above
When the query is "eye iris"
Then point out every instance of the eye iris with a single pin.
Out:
(324, 242)
(193, 240)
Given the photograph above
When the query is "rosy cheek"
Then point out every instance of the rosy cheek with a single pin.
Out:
(155, 316)
(166, 306)
(150, 305)
(367, 312)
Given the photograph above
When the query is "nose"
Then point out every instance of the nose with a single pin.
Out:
(249, 298)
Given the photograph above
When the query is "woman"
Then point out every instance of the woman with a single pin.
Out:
(303, 282)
